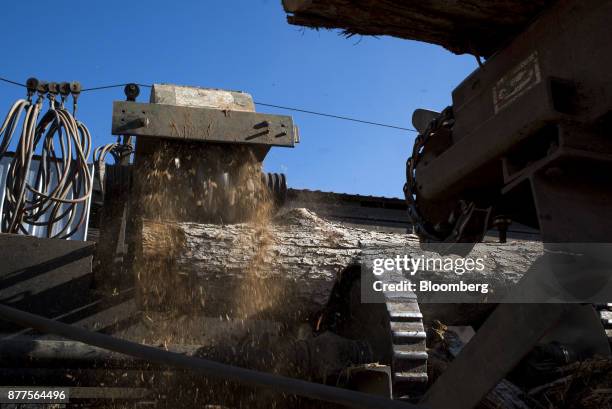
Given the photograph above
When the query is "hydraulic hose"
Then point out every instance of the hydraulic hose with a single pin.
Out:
(54, 197)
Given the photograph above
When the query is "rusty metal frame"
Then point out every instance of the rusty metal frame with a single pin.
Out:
(202, 124)
(492, 116)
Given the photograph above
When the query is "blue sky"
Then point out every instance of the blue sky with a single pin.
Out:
(242, 45)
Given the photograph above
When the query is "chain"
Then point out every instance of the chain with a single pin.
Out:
(452, 231)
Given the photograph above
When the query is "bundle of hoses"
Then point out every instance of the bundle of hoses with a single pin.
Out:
(117, 150)
(48, 181)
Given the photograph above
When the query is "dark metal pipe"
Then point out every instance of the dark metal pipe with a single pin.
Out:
(203, 366)
(27, 351)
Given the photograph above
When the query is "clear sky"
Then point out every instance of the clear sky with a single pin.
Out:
(242, 45)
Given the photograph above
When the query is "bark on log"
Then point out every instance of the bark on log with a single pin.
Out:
(465, 26)
(287, 268)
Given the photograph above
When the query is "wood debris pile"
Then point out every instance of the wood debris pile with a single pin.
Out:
(584, 384)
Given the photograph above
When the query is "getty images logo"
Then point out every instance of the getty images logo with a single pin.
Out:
(411, 265)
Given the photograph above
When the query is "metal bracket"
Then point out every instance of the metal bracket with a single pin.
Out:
(202, 124)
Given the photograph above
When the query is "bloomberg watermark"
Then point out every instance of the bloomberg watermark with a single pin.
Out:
(519, 272)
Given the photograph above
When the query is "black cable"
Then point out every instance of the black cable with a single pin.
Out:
(12, 82)
(113, 86)
(336, 116)
(305, 111)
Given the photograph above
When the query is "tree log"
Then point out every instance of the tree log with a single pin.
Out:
(465, 26)
(286, 267)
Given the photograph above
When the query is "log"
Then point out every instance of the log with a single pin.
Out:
(285, 268)
(466, 26)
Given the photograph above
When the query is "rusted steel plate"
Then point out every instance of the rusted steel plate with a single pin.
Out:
(202, 124)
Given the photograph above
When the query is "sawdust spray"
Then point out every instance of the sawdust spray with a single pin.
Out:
(204, 183)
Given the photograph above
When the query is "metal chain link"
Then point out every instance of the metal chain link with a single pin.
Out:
(458, 218)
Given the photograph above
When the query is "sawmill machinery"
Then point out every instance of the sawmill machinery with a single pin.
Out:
(189, 155)
(527, 140)
(537, 111)
(223, 121)
(192, 158)
(207, 119)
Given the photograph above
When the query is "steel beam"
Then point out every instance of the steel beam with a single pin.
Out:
(504, 339)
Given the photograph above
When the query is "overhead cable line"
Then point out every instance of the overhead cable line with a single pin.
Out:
(305, 111)
(345, 118)
(13, 82)
(114, 86)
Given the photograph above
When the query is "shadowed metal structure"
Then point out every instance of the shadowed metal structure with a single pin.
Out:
(204, 367)
(527, 139)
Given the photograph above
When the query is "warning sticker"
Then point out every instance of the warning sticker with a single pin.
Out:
(514, 84)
